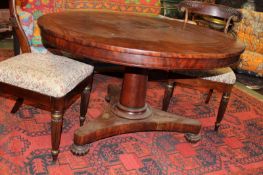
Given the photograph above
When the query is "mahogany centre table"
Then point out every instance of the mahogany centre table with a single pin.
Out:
(139, 43)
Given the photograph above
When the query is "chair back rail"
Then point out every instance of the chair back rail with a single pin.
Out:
(17, 27)
(29, 37)
(214, 10)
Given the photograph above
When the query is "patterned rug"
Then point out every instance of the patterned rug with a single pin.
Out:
(235, 149)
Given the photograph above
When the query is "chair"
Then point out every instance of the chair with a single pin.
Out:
(46, 79)
(221, 79)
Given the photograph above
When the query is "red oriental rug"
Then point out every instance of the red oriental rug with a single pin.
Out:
(236, 149)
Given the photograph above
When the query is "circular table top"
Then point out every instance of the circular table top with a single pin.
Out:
(138, 41)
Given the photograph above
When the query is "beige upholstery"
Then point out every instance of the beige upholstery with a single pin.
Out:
(47, 74)
(222, 75)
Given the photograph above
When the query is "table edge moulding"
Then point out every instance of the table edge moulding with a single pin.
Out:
(133, 41)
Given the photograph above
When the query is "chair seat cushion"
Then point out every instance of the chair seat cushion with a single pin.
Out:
(221, 75)
(47, 74)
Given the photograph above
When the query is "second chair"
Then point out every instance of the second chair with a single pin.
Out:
(221, 79)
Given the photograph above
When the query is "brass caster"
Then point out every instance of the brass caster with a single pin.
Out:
(192, 138)
(217, 125)
(79, 150)
(54, 154)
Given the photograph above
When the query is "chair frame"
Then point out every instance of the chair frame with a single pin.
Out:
(202, 8)
(191, 82)
(57, 106)
(214, 10)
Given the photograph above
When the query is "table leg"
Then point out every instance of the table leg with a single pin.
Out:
(129, 113)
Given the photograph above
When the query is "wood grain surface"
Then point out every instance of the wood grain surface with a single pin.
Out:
(138, 41)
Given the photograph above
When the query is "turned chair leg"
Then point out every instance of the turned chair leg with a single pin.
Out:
(222, 109)
(168, 93)
(85, 96)
(17, 105)
(56, 130)
(209, 96)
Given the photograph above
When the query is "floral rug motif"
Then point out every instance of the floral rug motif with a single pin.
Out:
(235, 149)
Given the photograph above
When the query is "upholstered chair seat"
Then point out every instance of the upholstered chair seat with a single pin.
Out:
(46, 74)
(221, 75)
(221, 79)
(53, 82)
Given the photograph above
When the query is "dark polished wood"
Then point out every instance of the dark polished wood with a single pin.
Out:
(222, 108)
(191, 82)
(56, 130)
(84, 103)
(209, 9)
(17, 28)
(139, 43)
(110, 124)
(18, 104)
(226, 14)
(57, 106)
(209, 95)
(133, 95)
(137, 97)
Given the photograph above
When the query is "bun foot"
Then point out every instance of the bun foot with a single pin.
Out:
(79, 150)
(192, 138)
